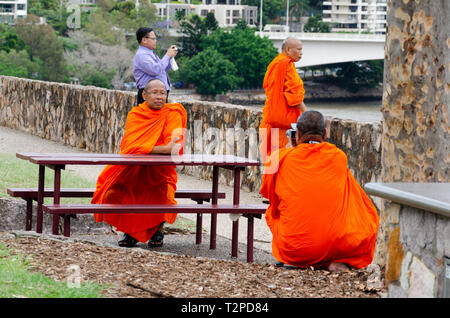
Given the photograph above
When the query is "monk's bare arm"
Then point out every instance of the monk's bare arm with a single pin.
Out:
(302, 107)
(171, 148)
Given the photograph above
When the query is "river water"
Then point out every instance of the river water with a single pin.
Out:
(368, 111)
(358, 111)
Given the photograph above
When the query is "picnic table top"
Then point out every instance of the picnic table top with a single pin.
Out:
(432, 196)
(137, 159)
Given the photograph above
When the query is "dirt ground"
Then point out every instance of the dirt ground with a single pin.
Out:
(139, 273)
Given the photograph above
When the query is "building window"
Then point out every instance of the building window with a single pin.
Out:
(235, 13)
(21, 6)
(203, 13)
(228, 13)
(227, 21)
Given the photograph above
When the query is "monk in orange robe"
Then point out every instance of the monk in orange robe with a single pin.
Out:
(318, 214)
(284, 97)
(152, 127)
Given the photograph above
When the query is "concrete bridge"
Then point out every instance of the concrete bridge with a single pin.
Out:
(327, 48)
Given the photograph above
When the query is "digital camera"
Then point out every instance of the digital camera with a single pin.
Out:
(292, 132)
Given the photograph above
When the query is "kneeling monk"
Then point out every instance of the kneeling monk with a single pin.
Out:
(152, 127)
(319, 216)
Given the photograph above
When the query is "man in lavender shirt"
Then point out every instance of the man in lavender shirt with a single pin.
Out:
(147, 65)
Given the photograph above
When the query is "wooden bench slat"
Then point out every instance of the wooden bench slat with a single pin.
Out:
(152, 208)
(89, 192)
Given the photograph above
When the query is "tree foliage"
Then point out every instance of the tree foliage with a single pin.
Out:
(315, 24)
(355, 75)
(248, 52)
(44, 45)
(211, 73)
(13, 63)
(10, 40)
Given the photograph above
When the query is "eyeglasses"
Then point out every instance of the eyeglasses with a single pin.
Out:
(156, 93)
(151, 38)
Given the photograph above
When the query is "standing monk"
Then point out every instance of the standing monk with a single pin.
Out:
(318, 214)
(284, 96)
(152, 127)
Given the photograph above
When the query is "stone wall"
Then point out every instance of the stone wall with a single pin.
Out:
(417, 247)
(94, 119)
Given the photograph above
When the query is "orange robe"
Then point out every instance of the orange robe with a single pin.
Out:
(144, 129)
(318, 213)
(284, 92)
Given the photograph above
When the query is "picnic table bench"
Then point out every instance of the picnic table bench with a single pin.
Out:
(31, 194)
(58, 161)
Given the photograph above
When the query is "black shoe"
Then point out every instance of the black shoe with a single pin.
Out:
(127, 241)
(156, 240)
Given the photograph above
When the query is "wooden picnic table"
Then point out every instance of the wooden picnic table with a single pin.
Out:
(58, 161)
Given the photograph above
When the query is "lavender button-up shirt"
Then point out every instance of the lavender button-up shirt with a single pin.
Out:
(147, 66)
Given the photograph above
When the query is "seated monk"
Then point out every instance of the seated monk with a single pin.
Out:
(152, 127)
(318, 214)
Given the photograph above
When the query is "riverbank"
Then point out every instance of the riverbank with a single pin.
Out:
(314, 92)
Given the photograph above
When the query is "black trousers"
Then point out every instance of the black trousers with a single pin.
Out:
(140, 99)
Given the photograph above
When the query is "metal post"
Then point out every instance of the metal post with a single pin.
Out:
(260, 17)
(235, 234)
(215, 189)
(56, 198)
(40, 200)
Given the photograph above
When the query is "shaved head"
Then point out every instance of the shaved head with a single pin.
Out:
(293, 48)
(289, 42)
(154, 83)
(311, 122)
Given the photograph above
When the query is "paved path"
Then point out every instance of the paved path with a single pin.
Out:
(12, 141)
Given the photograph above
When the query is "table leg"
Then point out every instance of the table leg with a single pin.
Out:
(215, 190)
(29, 217)
(67, 225)
(250, 238)
(40, 198)
(235, 234)
(56, 198)
(198, 231)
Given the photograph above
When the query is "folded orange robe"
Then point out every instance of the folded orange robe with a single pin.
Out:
(284, 92)
(318, 213)
(144, 129)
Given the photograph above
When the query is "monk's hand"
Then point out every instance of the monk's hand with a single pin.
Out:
(173, 146)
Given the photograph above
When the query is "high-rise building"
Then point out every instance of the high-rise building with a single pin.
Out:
(356, 15)
(226, 12)
(12, 9)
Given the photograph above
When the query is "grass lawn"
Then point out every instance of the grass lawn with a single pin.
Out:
(17, 281)
(18, 173)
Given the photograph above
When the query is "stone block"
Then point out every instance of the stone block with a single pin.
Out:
(396, 291)
(418, 229)
(422, 282)
(443, 236)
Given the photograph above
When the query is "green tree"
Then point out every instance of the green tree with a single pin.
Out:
(54, 11)
(211, 73)
(355, 75)
(211, 23)
(10, 40)
(45, 46)
(195, 29)
(315, 24)
(250, 53)
(17, 64)
(271, 9)
(90, 75)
